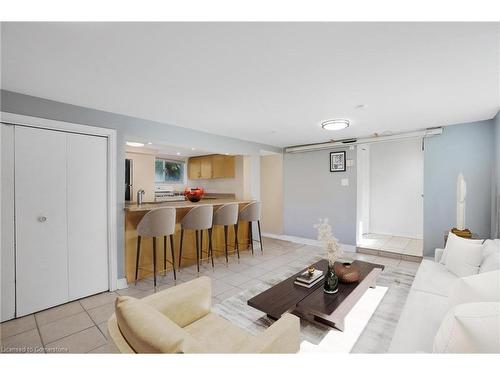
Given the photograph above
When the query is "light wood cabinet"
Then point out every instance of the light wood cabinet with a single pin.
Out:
(211, 166)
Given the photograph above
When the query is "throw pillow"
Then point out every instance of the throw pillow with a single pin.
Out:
(470, 328)
(463, 256)
(454, 240)
(491, 256)
(483, 287)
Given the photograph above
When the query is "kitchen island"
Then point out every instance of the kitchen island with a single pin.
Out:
(133, 215)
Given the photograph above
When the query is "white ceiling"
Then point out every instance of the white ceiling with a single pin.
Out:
(271, 83)
(168, 151)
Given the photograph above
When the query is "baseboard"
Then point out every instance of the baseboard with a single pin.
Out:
(121, 283)
(306, 241)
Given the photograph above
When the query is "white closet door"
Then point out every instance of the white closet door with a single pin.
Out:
(7, 249)
(41, 230)
(87, 215)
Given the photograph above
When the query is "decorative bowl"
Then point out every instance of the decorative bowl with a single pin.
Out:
(194, 195)
(310, 270)
(347, 272)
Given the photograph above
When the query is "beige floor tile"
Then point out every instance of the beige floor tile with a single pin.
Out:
(386, 261)
(65, 327)
(103, 327)
(16, 326)
(26, 342)
(406, 264)
(414, 247)
(109, 348)
(396, 243)
(59, 312)
(80, 342)
(102, 313)
(131, 291)
(98, 300)
(219, 287)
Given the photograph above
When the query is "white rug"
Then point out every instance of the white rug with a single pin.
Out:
(336, 341)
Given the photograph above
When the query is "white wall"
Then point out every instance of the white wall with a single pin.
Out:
(396, 187)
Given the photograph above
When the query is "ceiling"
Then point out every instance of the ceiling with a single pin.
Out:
(167, 151)
(271, 83)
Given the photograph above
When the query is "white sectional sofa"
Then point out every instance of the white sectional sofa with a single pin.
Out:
(434, 292)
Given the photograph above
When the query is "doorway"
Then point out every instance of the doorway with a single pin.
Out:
(390, 197)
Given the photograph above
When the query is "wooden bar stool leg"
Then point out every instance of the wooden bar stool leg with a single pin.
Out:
(250, 235)
(197, 251)
(235, 227)
(137, 258)
(210, 248)
(154, 260)
(165, 255)
(201, 244)
(173, 256)
(180, 248)
(225, 241)
(260, 237)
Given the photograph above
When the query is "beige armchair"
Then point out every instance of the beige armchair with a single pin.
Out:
(179, 320)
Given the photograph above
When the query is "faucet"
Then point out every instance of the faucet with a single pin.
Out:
(140, 196)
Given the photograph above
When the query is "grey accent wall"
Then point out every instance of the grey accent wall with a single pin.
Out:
(495, 215)
(466, 148)
(311, 192)
(129, 127)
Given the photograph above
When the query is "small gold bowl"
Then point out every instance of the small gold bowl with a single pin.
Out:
(310, 270)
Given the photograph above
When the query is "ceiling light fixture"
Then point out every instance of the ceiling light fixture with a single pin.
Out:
(134, 144)
(178, 153)
(150, 143)
(335, 124)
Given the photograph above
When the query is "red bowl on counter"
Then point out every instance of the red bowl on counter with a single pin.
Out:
(194, 195)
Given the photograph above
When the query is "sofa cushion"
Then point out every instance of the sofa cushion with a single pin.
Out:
(463, 257)
(419, 322)
(456, 241)
(149, 331)
(491, 256)
(470, 328)
(483, 287)
(434, 278)
(218, 335)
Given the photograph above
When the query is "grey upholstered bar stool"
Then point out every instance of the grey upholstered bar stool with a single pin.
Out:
(157, 223)
(251, 212)
(227, 215)
(198, 219)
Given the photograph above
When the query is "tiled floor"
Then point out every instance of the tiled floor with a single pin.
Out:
(392, 244)
(80, 326)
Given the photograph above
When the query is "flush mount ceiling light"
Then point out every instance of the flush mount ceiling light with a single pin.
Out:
(335, 124)
(134, 144)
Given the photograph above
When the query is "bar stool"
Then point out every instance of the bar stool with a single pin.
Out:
(157, 223)
(227, 215)
(198, 218)
(251, 213)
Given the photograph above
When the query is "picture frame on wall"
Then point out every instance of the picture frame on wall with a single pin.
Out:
(337, 161)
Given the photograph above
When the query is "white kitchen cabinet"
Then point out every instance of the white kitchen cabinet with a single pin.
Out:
(61, 249)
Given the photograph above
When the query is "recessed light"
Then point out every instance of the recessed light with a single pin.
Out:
(192, 149)
(150, 143)
(227, 153)
(360, 106)
(335, 124)
(134, 144)
(178, 153)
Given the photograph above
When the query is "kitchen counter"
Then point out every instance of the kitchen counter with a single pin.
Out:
(133, 215)
(148, 206)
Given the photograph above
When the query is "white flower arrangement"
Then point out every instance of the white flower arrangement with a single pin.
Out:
(330, 243)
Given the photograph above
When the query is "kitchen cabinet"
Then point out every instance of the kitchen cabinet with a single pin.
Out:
(211, 166)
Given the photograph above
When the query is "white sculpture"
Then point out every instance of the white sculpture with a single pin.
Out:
(461, 194)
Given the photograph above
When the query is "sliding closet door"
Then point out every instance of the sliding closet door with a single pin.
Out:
(87, 215)
(41, 230)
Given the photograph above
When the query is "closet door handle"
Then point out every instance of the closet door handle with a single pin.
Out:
(42, 219)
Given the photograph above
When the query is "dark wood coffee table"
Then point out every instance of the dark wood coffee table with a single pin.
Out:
(313, 303)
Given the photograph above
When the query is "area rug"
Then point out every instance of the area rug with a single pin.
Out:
(369, 326)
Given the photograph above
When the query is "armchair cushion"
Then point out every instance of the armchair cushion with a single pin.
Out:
(147, 330)
(184, 303)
